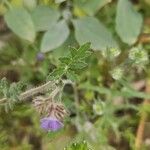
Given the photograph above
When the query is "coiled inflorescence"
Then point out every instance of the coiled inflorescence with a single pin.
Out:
(52, 113)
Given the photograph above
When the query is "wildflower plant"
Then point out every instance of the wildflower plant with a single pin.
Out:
(101, 103)
(49, 105)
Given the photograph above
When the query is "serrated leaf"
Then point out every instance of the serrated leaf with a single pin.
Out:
(87, 54)
(64, 60)
(44, 17)
(128, 22)
(78, 65)
(55, 36)
(89, 29)
(71, 63)
(56, 73)
(20, 22)
(72, 76)
(84, 48)
(73, 51)
(81, 52)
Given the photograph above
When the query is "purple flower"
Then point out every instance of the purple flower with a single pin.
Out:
(50, 124)
(40, 56)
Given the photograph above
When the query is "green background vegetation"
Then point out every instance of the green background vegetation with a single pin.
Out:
(110, 86)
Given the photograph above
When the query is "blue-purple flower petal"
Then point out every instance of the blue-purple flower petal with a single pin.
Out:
(50, 124)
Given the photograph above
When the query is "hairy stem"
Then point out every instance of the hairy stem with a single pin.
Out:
(32, 92)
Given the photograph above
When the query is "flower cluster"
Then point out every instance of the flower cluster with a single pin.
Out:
(98, 107)
(52, 113)
(111, 53)
(117, 73)
(139, 56)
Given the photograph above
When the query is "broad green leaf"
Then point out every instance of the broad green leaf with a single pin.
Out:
(128, 22)
(20, 22)
(89, 29)
(92, 6)
(16, 3)
(63, 50)
(44, 17)
(30, 4)
(55, 36)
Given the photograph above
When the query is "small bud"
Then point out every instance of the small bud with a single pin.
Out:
(114, 52)
(117, 73)
(98, 108)
(111, 53)
(40, 56)
(139, 56)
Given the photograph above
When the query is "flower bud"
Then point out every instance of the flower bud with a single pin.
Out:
(139, 56)
(98, 108)
(40, 56)
(117, 73)
(111, 53)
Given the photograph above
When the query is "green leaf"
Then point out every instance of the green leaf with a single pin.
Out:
(72, 76)
(83, 49)
(78, 65)
(73, 51)
(128, 22)
(64, 60)
(56, 74)
(44, 17)
(92, 6)
(55, 36)
(70, 64)
(30, 4)
(20, 22)
(78, 146)
(89, 29)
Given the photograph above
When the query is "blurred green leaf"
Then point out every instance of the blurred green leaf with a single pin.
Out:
(44, 17)
(64, 60)
(59, 1)
(20, 22)
(72, 76)
(73, 51)
(55, 36)
(92, 6)
(89, 29)
(30, 4)
(128, 22)
(57, 73)
(78, 146)
(125, 92)
(79, 65)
